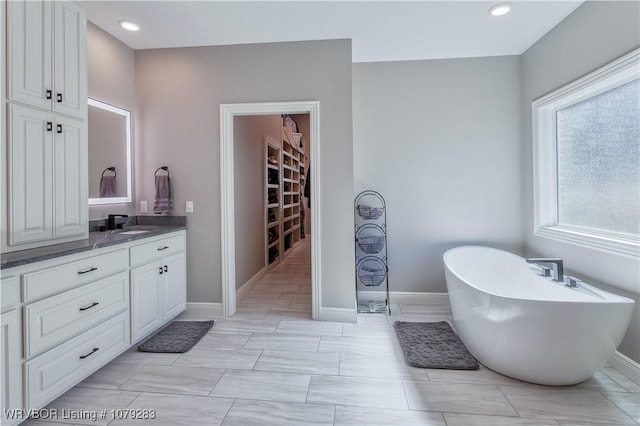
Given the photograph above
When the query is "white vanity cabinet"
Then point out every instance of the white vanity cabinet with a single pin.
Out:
(11, 353)
(76, 319)
(158, 286)
(47, 55)
(65, 317)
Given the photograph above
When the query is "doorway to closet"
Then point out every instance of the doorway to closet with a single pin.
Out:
(272, 238)
(270, 242)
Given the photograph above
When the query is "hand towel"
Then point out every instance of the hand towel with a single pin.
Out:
(107, 186)
(163, 202)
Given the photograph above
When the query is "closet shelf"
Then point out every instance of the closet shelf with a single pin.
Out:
(272, 224)
(290, 230)
(272, 206)
(275, 243)
(273, 186)
(271, 166)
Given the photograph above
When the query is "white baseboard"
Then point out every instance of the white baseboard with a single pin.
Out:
(202, 311)
(338, 315)
(246, 287)
(409, 298)
(416, 298)
(626, 366)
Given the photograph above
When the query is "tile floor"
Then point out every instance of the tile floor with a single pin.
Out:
(271, 365)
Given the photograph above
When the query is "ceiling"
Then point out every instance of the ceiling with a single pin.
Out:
(380, 30)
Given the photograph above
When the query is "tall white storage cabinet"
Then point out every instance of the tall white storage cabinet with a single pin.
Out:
(47, 53)
(47, 123)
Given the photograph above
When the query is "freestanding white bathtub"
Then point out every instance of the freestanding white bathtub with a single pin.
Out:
(529, 327)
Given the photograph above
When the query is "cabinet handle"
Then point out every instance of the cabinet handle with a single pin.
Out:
(166, 268)
(90, 353)
(59, 128)
(90, 306)
(160, 270)
(163, 248)
(87, 270)
(59, 97)
(49, 126)
(48, 94)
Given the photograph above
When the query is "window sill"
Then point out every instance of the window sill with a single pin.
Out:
(583, 237)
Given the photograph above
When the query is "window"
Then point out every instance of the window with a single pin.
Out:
(587, 159)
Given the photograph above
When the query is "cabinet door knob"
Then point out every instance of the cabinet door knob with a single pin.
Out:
(59, 128)
(49, 126)
(161, 270)
(166, 268)
(59, 97)
(48, 92)
(90, 353)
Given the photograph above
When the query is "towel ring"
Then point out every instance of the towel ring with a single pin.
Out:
(109, 169)
(165, 168)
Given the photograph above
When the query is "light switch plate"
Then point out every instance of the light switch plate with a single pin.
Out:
(189, 206)
(143, 207)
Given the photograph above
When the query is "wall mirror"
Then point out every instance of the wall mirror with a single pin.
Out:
(109, 154)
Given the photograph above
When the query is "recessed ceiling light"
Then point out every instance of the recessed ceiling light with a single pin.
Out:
(129, 26)
(500, 9)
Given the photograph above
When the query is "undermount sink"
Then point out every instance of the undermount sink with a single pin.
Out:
(133, 232)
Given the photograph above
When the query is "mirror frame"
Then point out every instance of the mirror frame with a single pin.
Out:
(127, 115)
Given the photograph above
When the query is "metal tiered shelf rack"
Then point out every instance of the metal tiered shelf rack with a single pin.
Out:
(372, 271)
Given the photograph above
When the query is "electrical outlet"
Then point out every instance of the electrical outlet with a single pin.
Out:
(143, 207)
(189, 206)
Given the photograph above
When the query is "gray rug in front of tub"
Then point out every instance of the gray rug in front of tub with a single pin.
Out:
(433, 345)
(177, 337)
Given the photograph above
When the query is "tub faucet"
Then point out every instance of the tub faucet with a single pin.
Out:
(556, 263)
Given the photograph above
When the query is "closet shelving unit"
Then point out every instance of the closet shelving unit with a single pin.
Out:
(283, 163)
(291, 158)
(272, 206)
(372, 272)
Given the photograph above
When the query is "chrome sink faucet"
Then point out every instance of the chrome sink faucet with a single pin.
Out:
(556, 263)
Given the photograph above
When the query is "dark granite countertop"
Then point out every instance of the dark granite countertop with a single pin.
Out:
(95, 240)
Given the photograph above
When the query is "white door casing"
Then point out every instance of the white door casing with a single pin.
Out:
(227, 234)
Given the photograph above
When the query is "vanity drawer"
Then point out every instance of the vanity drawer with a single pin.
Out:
(9, 293)
(148, 252)
(69, 275)
(55, 319)
(52, 373)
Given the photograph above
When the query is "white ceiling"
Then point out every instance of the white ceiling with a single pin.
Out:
(380, 30)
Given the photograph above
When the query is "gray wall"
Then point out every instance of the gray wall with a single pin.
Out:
(111, 79)
(592, 36)
(249, 191)
(440, 140)
(179, 92)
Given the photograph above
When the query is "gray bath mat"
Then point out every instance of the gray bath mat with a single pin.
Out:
(433, 345)
(177, 337)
